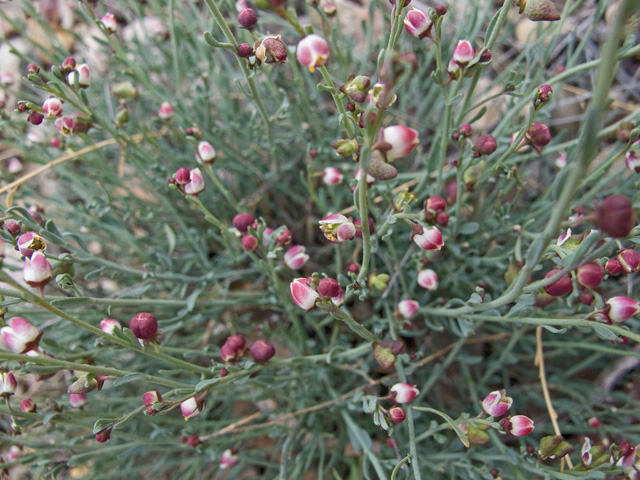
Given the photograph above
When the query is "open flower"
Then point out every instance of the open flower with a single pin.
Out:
(20, 336)
(29, 242)
(313, 51)
(401, 139)
(337, 228)
(404, 393)
(497, 403)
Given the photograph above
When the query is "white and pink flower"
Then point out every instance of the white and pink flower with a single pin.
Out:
(401, 139)
(109, 22)
(332, 176)
(206, 153)
(429, 239)
(313, 51)
(20, 336)
(622, 309)
(408, 308)
(497, 403)
(192, 407)
(337, 228)
(108, 325)
(418, 24)
(84, 76)
(302, 294)
(295, 257)
(52, 107)
(428, 279)
(463, 53)
(518, 425)
(37, 270)
(403, 392)
(165, 111)
(30, 242)
(196, 183)
(228, 459)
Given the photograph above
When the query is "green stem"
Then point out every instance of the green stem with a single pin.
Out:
(353, 324)
(227, 194)
(337, 99)
(95, 330)
(112, 372)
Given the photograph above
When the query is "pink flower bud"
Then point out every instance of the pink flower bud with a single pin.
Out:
(429, 239)
(33, 68)
(206, 153)
(228, 459)
(285, 237)
(434, 204)
(496, 403)
(68, 64)
(183, 176)
(295, 257)
(13, 228)
(408, 308)
(6, 79)
(590, 275)
(192, 407)
(104, 435)
(486, 145)
(428, 279)
(165, 111)
(27, 405)
(196, 184)
(332, 176)
(402, 140)
(271, 50)
(403, 392)
(109, 22)
(358, 223)
(463, 53)
(302, 294)
(249, 243)
(615, 216)
(518, 425)
(144, 325)
(29, 242)
(37, 270)
(612, 266)
(52, 107)
(594, 422)
(397, 414)
(629, 260)
(56, 143)
(247, 18)
(560, 287)
(108, 325)
(14, 453)
(9, 384)
(149, 399)
(418, 24)
(84, 76)
(262, 351)
(328, 288)
(329, 8)
(622, 309)
(237, 342)
(313, 51)
(243, 221)
(77, 400)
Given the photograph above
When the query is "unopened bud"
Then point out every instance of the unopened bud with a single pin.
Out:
(262, 351)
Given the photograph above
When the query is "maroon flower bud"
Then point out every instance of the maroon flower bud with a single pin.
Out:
(615, 216)
(237, 342)
(486, 145)
(104, 435)
(313, 153)
(612, 266)
(248, 18)
(560, 287)
(249, 242)
(328, 288)
(538, 135)
(485, 56)
(144, 325)
(590, 275)
(35, 118)
(33, 68)
(261, 351)
(586, 297)
(193, 441)
(183, 176)
(272, 50)
(245, 50)
(13, 228)
(435, 204)
(465, 130)
(362, 121)
(441, 10)
(543, 96)
(149, 398)
(243, 221)
(397, 414)
(452, 192)
(629, 260)
(224, 372)
(442, 219)
(353, 268)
